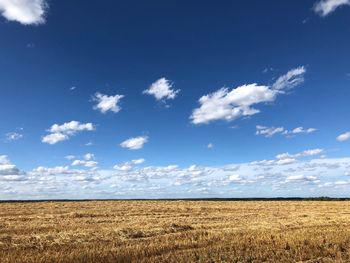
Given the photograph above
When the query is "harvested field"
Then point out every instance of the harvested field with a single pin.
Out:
(175, 231)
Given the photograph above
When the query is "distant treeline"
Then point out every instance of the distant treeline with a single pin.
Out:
(321, 198)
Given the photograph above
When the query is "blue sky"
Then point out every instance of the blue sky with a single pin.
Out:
(166, 99)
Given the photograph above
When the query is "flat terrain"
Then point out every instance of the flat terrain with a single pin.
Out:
(175, 231)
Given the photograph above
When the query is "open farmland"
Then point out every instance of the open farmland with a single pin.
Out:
(175, 231)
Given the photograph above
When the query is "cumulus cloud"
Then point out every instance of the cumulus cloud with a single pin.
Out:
(107, 103)
(57, 170)
(344, 137)
(63, 132)
(6, 167)
(8, 171)
(85, 163)
(54, 138)
(229, 105)
(132, 181)
(123, 167)
(325, 7)
(89, 161)
(128, 166)
(271, 131)
(162, 90)
(135, 143)
(26, 12)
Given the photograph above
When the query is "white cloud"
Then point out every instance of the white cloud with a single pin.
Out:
(287, 160)
(302, 130)
(229, 105)
(128, 166)
(123, 167)
(306, 153)
(6, 167)
(85, 163)
(138, 161)
(54, 176)
(132, 181)
(311, 152)
(41, 170)
(325, 7)
(89, 143)
(70, 157)
(268, 131)
(344, 137)
(162, 90)
(210, 146)
(8, 171)
(135, 143)
(4, 159)
(26, 12)
(89, 156)
(291, 79)
(71, 127)
(107, 103)
(54, 138)
(63, 132)
(271, 131)
(342, 182)
(236, 178)
(301, 178)
(13, 136)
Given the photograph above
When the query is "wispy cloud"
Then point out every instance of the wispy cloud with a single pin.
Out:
(325, 7)
(13, 136)
(271, 131)
(210, 146)
(268, 131)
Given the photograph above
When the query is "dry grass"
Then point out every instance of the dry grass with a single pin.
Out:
(175, 231)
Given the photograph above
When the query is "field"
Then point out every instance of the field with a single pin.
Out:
(175, 231)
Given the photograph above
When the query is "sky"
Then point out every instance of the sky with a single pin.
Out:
(174, 99)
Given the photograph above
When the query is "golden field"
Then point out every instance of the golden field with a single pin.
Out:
(175, 231)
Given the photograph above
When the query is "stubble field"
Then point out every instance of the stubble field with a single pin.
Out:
(175, 231)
